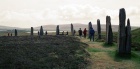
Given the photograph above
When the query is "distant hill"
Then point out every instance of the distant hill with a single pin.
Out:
(63, 27)
(4, 28)
(7, 28)
(66, 27)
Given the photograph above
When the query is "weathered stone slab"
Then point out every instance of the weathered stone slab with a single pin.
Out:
(72, 30)
(16, 33)
(57, 30)
(41, 31)
(89, 26)
(98, 29)
(32, 31)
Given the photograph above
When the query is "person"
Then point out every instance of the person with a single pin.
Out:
(8, 34)
(80, 32)
(85, 33)
(67, 33)
(38, 33)
(92, 34)
(46, 33)
(11, 34)
(63, 33)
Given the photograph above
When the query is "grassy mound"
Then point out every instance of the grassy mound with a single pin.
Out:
(136, 39)
(46, 52)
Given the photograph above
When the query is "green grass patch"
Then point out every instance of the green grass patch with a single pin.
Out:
(98, 50)
(94, 49)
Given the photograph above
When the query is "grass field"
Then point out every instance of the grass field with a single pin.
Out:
(65, 52)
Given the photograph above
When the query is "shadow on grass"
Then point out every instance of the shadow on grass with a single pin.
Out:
(46, 52)
(108, 45)
(121, 57)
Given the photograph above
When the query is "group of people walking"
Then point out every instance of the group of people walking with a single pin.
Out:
(91, 33)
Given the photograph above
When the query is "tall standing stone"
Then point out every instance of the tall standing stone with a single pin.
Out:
(41, 31)
(121, 31)
(128, 37)
(32, 33)
(72, 30)
(57, 30)
(98, 29)
(89, 26)
(15, 32)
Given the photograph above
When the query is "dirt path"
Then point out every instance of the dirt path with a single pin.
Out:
(104, 57)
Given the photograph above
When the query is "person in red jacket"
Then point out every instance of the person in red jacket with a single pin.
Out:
(85, 33)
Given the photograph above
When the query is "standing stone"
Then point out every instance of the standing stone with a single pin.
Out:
(98, 29)
(107, 27)
(72, 30)
(110, 35)
(128, 37)
(89, 26)
(32, 31)
(121, 32)
(15, 32)
(57, 30)
(41, 31)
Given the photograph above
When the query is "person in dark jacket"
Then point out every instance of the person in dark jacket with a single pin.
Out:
(46, 33)
(38, 33)
(11, 34)
(92, 34)
(85, 33)
(80, 32)
(67, 33)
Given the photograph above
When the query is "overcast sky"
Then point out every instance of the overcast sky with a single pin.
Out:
(27, 13)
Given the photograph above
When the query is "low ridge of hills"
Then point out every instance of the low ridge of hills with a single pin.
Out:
(63, 27)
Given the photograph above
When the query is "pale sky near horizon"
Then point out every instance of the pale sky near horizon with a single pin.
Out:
(27, 13)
